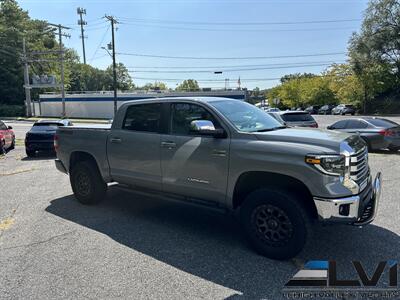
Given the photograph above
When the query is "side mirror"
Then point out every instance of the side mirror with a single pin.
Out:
(9, 127)
(205, 127)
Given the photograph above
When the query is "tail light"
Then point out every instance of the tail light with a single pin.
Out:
(314, 125)
(56, 142)
(387, 132)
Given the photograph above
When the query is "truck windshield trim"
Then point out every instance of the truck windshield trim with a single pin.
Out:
(246, 117)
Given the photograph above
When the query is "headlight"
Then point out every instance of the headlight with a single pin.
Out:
(329, 164)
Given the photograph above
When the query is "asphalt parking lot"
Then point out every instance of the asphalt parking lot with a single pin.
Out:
(131, 246)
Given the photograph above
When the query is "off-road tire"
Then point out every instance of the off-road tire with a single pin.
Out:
(283, 232)
(30, 153)
(87, 184)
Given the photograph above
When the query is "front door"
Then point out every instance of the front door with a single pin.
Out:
(134, 150)
(193, 166)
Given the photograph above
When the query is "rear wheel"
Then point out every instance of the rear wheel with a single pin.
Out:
(87, 183)
(30, 153)
(12, 145)
(275, 223)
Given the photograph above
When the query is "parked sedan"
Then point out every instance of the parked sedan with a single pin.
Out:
(295, 118)
(326, 109)
(344, 109)
(313, 109)
(378, 133)
(7, 138)
(41, 136)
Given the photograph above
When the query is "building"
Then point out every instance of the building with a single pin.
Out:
(101, 104)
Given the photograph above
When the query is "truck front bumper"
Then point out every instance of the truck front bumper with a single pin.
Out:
(357, 210)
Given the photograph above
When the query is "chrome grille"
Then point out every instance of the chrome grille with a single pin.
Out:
(359, 168)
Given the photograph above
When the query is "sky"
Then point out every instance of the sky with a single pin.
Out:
(256, 40)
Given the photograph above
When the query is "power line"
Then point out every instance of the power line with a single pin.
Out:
(101, 42)
(234, 66)
(230, 58)
(205, 80)
(234, 70)
(238, 30)
(240, 23)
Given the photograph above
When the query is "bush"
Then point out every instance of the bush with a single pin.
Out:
(12, 110)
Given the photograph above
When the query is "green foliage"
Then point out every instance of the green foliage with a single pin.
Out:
(158, 85)
(375, 51)
(12, 110)
(188, 85)
(124, 80)
(289, 77)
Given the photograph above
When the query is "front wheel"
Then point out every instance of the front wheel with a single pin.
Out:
(275, 223)
(3, 147)
(394, 148)
(87, 184)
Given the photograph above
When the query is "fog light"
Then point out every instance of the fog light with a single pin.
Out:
(344, 209)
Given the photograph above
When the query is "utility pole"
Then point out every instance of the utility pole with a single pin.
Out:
(82, 11)
(60, 35)
(113, 22)
(28, 105)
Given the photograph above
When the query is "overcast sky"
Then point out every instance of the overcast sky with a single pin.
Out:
(211, 29)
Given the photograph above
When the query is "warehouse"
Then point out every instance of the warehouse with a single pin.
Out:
(101, 104)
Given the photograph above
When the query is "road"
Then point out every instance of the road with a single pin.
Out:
(131, 246)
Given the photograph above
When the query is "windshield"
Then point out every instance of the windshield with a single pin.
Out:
(300, 117)
(45, 126)
(246, 117)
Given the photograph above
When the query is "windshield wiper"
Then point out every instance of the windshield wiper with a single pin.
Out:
(271, 129)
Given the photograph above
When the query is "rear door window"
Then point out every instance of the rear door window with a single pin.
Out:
(143, 117)
(356, 124)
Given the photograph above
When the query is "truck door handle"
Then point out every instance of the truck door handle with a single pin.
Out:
(167, 144)
(216, 152)
(115, 140)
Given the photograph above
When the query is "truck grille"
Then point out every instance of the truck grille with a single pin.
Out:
(359, 168)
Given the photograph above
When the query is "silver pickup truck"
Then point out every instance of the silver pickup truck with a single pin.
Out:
(229, 155)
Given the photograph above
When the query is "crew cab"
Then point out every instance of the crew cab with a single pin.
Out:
(228, 155)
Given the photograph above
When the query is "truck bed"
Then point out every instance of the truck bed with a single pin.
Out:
(90, 139)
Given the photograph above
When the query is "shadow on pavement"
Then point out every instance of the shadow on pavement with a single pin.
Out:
(211, 246)
(40, 156)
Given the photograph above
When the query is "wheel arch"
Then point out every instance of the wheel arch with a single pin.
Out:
(79, 156)
(252, 180)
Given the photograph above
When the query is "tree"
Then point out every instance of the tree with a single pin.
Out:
(124, 80)
(188, 85)
(15, 24)
(289, 77)
(158, 85)
(375, 51)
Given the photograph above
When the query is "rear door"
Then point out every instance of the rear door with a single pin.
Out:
(194, 166)
(134, 150)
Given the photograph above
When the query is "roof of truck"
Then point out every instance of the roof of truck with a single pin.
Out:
(169, 99)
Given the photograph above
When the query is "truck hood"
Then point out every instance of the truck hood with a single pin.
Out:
(312, 137)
